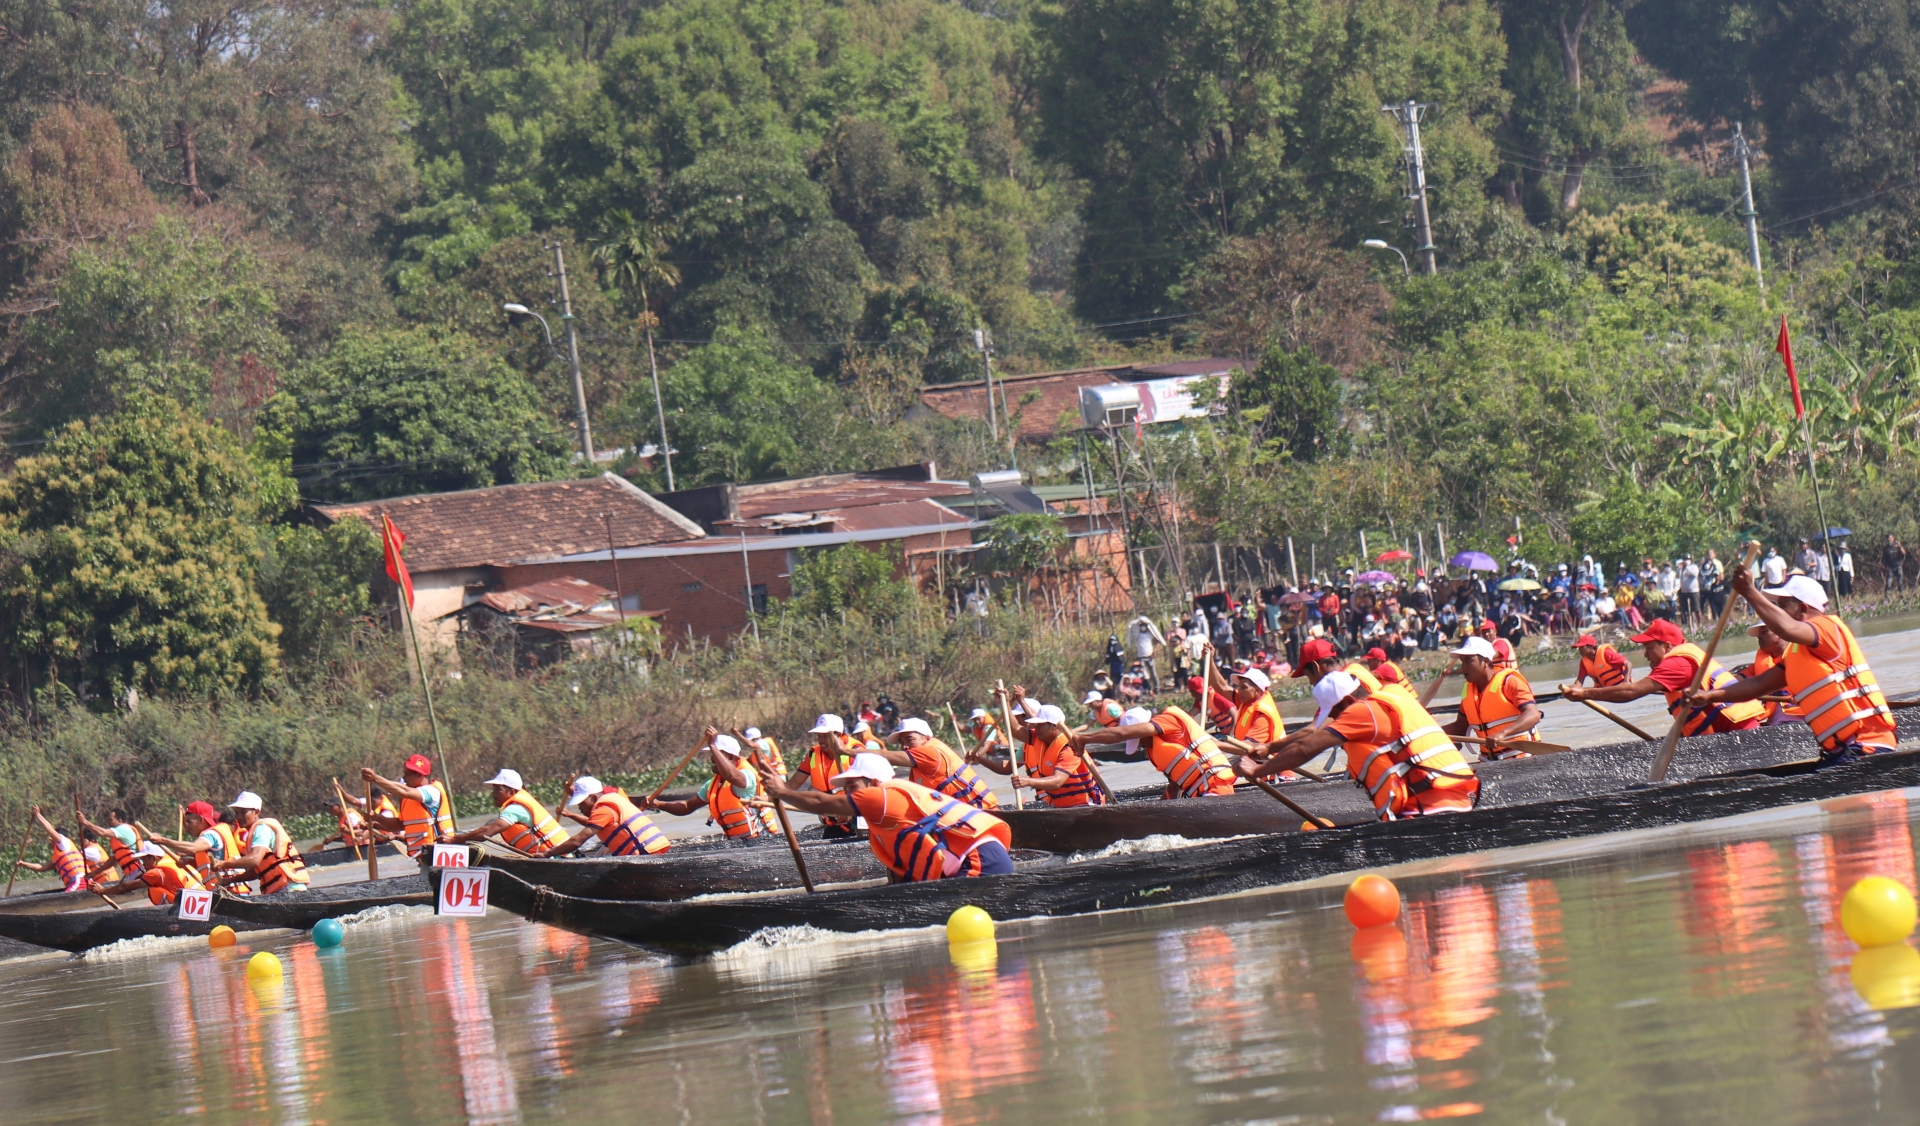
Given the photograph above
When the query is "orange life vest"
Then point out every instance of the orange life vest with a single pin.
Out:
(1605, 673)
(766, 755)
(123, 857)
(1840, 698)
(633, 831)
(420, 828)
(1262, 708)
(922, 835)
(1487, 709)
(1059, 757)
(823, 765)
(1105, 712)
(1765, 662)
(350, 822)
(230, 848)
(165, 879)
(1191, 760)
(1699, 721)
(69, 864)
(542, 837)
(284, 866)
(1359, 671)
(952, 775)
(1417, 771)
(725, 808)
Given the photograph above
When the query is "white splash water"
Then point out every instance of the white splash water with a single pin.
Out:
(146, 946)
(795, 953)
(390, 913)
(1158, 842)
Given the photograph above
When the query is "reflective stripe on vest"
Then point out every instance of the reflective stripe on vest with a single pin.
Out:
(624, 839)
(1835, 701)
(542, 837)
(1476, 704)
(1080, 788)
(920, 850)
(285, 866)
(1196, 768)
(1699, 721)
(1423, 755)
(961, 782)
(725, 809)
(420, 828)
(69, 864)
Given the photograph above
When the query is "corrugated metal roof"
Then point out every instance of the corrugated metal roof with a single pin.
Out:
(562, 597)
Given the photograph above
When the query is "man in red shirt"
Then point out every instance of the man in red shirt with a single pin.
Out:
(1675, 663)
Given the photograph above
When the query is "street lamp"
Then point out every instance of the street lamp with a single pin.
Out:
(515, 309)
(1382, 244)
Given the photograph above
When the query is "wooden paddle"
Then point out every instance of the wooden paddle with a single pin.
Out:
(661, 788)
(780, 812)
(1433, 686)
(1013, 752)
(342, 796)
(1664, 759)
(1246, 748)
(20, 854)
(1609, 713)
(1206, 689)
(1534, 745)
(1274, 792)
(80, 819)
(373, 853)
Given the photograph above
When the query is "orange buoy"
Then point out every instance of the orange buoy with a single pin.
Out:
(1372, 901)
(221, 936)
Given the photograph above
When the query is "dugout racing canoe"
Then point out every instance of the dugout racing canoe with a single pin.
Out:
(1151, 879)
(766, 867)
(77, 931)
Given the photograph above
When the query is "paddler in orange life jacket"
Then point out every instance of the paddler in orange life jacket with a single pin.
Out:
(917, 833)
(1101, 712)
(1824, 670)
(729, 797)
(1497, 703)
(214, 842)
(1191, 759)
(1602, 664)
(936, 766)
(763, 752)
(1675, 662)
(350, 824)
(65, 858)
(1395, 750)
(121, 839)
(1053, 768)
(1385, 670)
(269, 854)
(1256, 718)
(1221, 713)
(159, 875)
(608, 813)
(522, 824)
(1770, 652)
(827, 756)
(426, 811)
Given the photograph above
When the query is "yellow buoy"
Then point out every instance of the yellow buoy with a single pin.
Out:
(1877, 911)
(1887, 977)
(263, 965)
(221, 936)
(969, 924)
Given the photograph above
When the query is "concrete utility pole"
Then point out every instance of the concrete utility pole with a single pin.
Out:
(573, 355)
(980, 344)
(1408, 114)
(1741, 150)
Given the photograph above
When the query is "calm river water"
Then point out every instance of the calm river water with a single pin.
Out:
(1694, 975)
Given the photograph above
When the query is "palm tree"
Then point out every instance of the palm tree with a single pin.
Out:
(634, 255)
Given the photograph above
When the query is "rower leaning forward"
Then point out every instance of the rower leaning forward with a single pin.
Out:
(1396, 751)
(1823, 670)
(1675, 664)
(919, 834)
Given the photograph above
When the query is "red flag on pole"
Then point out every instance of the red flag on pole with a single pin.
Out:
(391, 541)
(1784, 346)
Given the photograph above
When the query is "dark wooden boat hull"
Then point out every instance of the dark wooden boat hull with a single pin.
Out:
(77, 931)
(1555, 777)
(1153, 879)
(744, 870)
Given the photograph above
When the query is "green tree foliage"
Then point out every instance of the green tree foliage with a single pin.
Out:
(405, 411)
(850, 578)
(315, 584)
(127, 556)
(1022, 542)
(1575, 86)
(1293, 400)
(1636, 521)
(1194, 124)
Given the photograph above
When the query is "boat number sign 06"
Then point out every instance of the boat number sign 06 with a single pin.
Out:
(449, 856)
(463, 892)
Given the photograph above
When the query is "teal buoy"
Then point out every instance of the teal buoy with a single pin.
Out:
(328, 933)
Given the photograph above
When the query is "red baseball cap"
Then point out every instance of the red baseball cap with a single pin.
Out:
(1316, 649)
(418, 764)
(1663, 631)
(1487, 626)
(204, 811)
(1195, 684)
(1376, 654)
(1586, 639)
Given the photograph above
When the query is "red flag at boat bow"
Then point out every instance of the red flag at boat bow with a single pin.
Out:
(1784, 346)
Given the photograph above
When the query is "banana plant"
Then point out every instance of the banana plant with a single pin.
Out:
(1732, 440)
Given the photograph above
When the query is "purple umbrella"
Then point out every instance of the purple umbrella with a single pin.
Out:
(1474, 561)
(1375, 577)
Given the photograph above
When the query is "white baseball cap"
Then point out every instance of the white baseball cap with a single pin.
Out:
(1333, 688)
(585, 786)
(751, 733)
(860, 725)
(1800, 588)
(978, 713)
(727, 745)
(148, 848)
(247, 800)
(1254, 677)
(507, 778)
(1028, 706)
(1048, 713)
(826, 723)
(913, 724)
(1475, 646)
(1135, 715)
(866, 764)
(1093, 697)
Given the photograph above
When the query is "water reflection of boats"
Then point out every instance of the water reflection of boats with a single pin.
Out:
(1156, 878)
(77, 930)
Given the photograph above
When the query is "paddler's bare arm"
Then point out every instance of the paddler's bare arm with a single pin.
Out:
(492, 828)
(677, 808)
(813, 801)
(393, 789)
(1773, 680)
(1618, 694)
(1784, 626)
(897, 757)
(1017, 729)
(572, 844)
(1219, 682)
(1119, 734)
(1297, 749)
